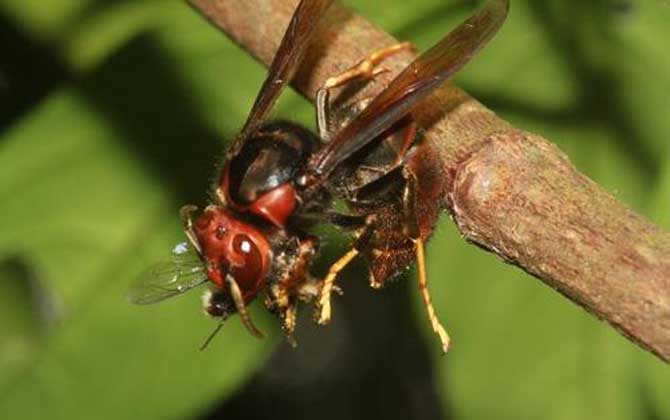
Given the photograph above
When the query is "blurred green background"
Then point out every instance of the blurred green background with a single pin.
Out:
(112, 114)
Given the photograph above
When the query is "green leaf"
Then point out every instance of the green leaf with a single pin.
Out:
(83, 210)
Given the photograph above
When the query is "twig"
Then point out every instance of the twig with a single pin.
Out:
(511, 192)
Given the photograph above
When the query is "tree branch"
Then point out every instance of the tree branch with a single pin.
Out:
(511, 192)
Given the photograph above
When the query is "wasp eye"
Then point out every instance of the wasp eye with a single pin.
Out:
(248, 273)
(244, 245)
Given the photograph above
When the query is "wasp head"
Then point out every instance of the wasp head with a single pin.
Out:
(235, 248)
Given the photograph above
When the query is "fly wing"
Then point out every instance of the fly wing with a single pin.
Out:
(413, 84)
(286, 61)
(182, 272)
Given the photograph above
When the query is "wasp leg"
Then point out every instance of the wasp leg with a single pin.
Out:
(413, 231)
(311, 289)
(220, 197)
(242, 307)
(323, 305)
(363, 242)
(187, 223)
(285, 306)
(364, 69)
(295, 276)
(290, 316)
(291, 286)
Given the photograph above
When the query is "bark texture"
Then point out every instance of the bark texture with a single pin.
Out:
(511, 192)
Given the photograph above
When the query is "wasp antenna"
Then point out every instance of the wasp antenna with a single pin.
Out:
(187, 223)
(211, 336)
(241, 307)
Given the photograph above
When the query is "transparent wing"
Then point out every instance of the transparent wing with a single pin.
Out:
(413, 84)
(182, 272)
(287, 59)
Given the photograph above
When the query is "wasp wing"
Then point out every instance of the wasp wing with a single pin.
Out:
(413, 84)
(287, 58)
(182, 272)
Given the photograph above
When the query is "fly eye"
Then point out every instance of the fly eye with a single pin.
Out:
(220, 232)
(247, 273)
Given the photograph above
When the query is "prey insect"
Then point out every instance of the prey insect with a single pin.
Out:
(278, 180)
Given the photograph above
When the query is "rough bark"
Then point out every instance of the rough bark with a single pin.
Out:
(513, 193)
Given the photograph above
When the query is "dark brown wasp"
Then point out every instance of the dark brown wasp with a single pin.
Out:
(278, 180)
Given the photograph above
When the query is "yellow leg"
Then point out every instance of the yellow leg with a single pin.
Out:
(366, 68)
(290, 316)
(220, 197)
(425, 295)
(187, 222)
(242, 307)
(327, 288)
(278, 300)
